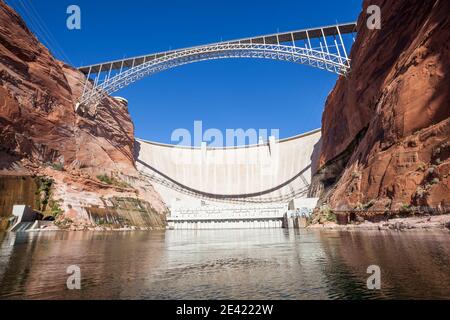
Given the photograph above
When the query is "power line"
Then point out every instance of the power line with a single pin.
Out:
(49, 33)
(43, 36)
(22, 12)
(41, 31)
(32, 22)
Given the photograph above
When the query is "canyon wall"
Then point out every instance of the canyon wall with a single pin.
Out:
(87, 154)
(386, 125)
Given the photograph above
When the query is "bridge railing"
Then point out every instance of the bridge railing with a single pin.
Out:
(319, 59)
(322, 48)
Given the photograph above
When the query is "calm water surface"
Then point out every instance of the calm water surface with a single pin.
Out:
(225, 264)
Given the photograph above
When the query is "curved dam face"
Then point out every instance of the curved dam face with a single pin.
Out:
(274, 171)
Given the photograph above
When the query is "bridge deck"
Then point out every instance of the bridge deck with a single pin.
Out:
(277, 38)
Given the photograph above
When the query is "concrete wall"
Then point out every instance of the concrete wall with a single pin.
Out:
(226, 224)
(24, 213)
(17, 190)
(265, 170)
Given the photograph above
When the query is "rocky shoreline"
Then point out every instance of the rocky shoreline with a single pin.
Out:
(441, 222)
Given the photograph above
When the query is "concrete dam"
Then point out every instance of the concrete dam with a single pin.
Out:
(234, 187)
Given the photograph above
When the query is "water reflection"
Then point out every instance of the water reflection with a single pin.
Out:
(225, 264)
(414, 265)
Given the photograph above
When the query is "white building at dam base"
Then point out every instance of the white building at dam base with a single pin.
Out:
(234, 216)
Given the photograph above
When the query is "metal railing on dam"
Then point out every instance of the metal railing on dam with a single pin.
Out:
(228, 217)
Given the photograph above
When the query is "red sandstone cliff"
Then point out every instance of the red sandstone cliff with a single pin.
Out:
(386, 126)
(40, 128)
(38, 119)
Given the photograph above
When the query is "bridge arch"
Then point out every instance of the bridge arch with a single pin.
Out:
(112, 76)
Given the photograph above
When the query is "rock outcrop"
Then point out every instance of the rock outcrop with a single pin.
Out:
(386, 126)
(38, 119)
(42, 133)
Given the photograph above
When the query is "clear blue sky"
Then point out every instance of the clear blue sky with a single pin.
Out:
(223, 94)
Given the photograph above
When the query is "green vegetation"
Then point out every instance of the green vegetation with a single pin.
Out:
(112, 181)
(105, 179)
(56, 166)
(44, 202)
(421, 192)
(422, 167)
(43, 192)
(327, 213)
(64, 223)
(366, 206)
(431, 171)
(55, 208)
(356, 175)
(405, 207)
(408, 209)
(439, 152)
(434, 181)
(102, 222)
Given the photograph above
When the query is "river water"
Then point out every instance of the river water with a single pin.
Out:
(225, 264)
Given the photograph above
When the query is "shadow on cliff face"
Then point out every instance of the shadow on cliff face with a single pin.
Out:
(136, 150)
(442, 93)
(315, 157)
(326, 177)
(8, 162)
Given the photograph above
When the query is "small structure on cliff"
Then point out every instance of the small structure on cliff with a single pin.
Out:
(25, 218)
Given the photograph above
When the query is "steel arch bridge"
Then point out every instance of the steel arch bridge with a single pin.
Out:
(322, 48)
